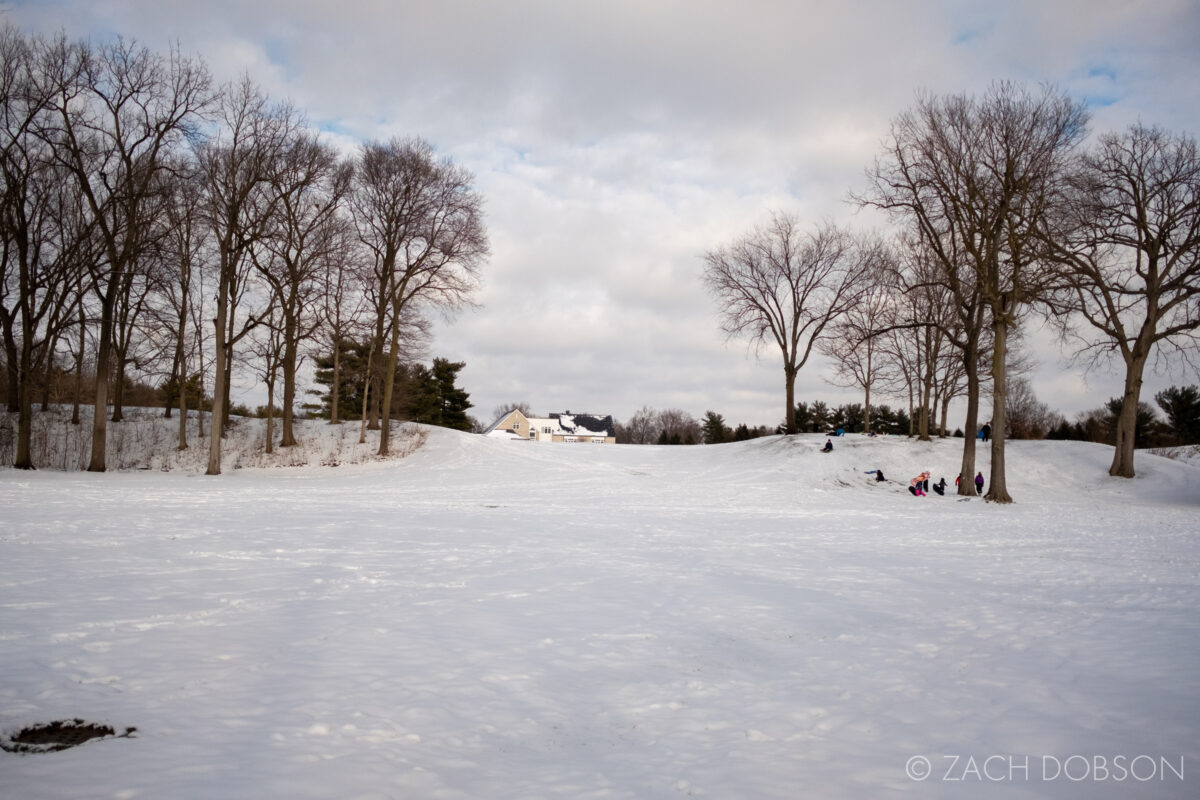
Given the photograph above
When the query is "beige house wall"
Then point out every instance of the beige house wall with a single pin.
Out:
(518, 422)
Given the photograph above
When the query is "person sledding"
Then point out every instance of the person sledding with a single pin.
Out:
(917, 486)
(828, 448)
(940, 487)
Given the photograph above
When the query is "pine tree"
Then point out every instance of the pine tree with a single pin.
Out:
(714, 428)
(1182, 407)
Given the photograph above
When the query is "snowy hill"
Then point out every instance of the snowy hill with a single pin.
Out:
(1044, 471)
(496, 619)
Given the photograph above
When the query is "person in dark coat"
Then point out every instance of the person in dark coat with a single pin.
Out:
(940, 487)
(879, 476)
(979, 483)
(828, 448)
(987, 430)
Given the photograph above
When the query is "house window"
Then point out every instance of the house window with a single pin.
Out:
(547, 430)
(597, 440)
(533, 434)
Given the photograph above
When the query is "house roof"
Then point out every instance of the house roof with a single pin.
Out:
(585, 424)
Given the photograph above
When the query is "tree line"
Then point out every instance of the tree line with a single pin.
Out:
(1026, 417)
(1003, 211)
(153, 222)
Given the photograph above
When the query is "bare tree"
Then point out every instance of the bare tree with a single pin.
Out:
(422, 222)
(119, 110)
(304, 240)
(642, 427)
(184, 245)
(854, 344)
(343, 306)
(267, 343)
(974, 178)
(237, 164)
(523, 406)
(42, 235)
(1028, 417)
(1130, 245)
(780, 284)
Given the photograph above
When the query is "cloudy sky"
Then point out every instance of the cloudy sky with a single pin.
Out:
(616, 141)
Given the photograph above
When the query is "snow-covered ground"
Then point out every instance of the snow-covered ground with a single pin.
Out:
(496, 619)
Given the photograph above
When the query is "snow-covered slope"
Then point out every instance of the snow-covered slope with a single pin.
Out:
(495, 619)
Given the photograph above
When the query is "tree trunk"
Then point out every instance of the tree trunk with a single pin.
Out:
(912, 411)
(174, 379)
(227, 401)
(103, 367)
(923, 431)
(183, 445)
(11, 362)
(217, 424)
(181, 367)
(998, 489)
(966, 474)
(362, 432)
(270, 447)
(867, 409)
(48, 372)
(388, 380)
(118, 414)
(79, 368)
(1122, 463)
(289, 383)
(24, 457)
(200, 405)
(925, 372)
(789, 382)
(373, 413)
(335, 386)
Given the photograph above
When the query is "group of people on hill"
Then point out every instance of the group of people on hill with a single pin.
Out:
(919, 486)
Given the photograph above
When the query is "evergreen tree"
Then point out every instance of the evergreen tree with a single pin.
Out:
(848, 417)
(420, 393)
(450, 400)
(353, 367)
(714, 428)
(1145, 422)
(804, 418)
(1182, 407)
(820, 417)
(169, 392)
(429, 394)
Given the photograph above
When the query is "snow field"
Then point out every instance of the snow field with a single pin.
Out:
(492, 619)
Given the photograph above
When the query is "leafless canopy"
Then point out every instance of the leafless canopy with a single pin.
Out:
(1128, 241)
(784, 285)
(422, 222)
(975, 178)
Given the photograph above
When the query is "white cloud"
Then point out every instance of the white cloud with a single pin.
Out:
(614, 143)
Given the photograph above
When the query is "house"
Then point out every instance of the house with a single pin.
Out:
(564, 427)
